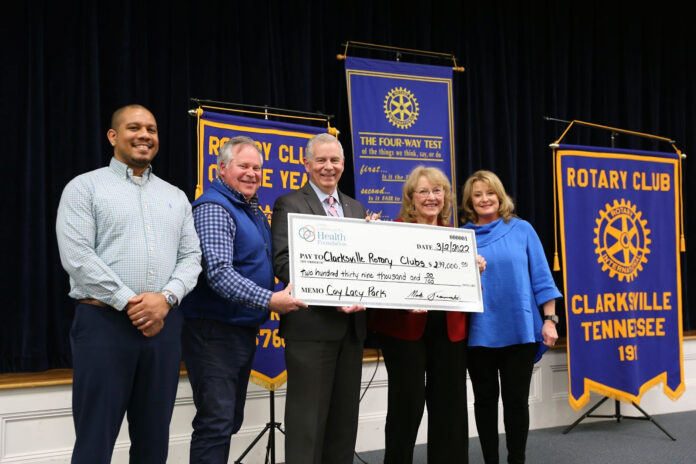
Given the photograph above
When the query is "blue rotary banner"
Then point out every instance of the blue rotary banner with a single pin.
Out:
(619, 212)
(401, 116)
(282, 146)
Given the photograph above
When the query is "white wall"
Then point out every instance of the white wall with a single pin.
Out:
(36, 423)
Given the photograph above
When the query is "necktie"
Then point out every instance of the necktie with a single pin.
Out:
(332, 209)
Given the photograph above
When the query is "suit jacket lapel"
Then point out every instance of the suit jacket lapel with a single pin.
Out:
(313, 201)
(345, 204)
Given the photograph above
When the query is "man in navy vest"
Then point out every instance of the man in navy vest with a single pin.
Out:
(233, 297)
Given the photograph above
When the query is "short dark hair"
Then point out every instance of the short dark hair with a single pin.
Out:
(116, 116)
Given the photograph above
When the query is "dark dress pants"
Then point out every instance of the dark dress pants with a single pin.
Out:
(218, 359)
(323, 396)
(117, 370)
(432, 371)
(515, 364)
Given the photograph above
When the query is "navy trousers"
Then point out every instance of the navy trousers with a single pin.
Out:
(116, 371)
(218, 359)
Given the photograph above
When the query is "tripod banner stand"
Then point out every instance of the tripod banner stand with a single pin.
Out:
(620, 225)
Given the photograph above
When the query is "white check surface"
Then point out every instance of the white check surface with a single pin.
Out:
(342, 261)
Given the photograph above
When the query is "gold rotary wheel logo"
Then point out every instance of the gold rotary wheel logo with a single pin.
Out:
(621, 237)
(401, 107)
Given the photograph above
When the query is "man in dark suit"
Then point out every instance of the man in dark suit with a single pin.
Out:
(323, 345)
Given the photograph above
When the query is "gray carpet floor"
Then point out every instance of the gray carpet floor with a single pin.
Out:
(596, 442)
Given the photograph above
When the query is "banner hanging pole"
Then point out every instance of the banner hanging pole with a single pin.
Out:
(260, 110)
(399, 51)
(613, 129)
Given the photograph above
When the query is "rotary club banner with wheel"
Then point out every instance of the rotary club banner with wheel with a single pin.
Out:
(282, 146)
(401, 116)
(619, 217)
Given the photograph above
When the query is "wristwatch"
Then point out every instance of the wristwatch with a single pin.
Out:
(551, 317)
(171, 298)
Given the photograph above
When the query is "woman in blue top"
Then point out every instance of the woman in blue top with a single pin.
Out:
(504, 338)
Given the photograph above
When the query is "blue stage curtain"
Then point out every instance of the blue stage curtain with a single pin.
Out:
(67, 65)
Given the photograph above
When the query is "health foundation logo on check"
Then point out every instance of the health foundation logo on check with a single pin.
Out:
(307, 233)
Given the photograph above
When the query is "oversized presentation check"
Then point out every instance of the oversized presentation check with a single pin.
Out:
(342, 261)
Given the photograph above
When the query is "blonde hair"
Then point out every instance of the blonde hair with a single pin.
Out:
(505, 207)
(407, 213)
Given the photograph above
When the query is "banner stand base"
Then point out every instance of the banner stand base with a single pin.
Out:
(618, 416)
(270, 428)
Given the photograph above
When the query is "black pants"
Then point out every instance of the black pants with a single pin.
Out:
(117, 370)
(515, 364)
(432, 371)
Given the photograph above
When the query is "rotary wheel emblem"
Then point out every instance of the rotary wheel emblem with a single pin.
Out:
(621, 237)
(401, 108)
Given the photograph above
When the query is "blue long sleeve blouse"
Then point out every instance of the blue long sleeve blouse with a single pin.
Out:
(517, 281)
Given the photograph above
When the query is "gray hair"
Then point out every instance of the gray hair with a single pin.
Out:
(322, 138)
(226, 153)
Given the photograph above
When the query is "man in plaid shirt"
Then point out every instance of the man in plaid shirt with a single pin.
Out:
(232, 299)
(127, 240)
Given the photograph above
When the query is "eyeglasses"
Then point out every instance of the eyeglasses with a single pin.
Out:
(438, 192)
